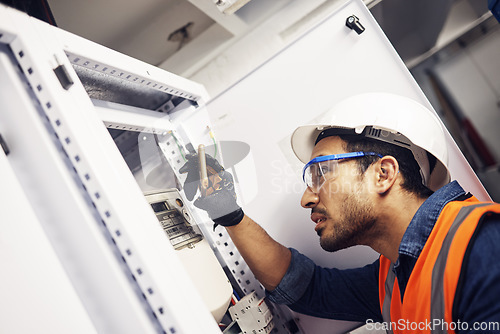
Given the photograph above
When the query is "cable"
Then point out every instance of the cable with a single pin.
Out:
(236, 295)
(178, 145)
(210, 132)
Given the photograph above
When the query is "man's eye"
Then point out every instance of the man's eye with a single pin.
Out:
(324, 169)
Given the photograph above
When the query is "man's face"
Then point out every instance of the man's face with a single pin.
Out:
(341, 209)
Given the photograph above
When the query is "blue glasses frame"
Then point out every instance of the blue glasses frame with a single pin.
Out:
(340, 156)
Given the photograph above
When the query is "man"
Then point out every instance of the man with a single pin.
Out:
(377, 176)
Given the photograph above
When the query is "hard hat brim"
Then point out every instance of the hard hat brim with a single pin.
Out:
(303, 139)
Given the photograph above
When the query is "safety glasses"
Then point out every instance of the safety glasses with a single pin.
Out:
(321, 169)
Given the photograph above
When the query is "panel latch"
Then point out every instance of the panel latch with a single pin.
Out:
(353, 23)
(63, 75)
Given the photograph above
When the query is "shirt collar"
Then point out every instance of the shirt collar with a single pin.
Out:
(426, 216)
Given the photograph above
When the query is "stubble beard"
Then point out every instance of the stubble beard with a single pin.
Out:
(352, 228)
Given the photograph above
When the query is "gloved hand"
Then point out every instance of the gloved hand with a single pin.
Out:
(219, 198)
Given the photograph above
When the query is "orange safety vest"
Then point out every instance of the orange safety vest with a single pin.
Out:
(431, 289)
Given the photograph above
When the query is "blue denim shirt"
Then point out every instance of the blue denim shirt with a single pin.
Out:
(352, 294)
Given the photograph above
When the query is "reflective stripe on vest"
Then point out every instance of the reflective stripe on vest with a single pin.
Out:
(389, 285)
(432, 273)
(437, 292)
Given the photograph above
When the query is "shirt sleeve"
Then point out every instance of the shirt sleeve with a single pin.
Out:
(350, 294)
(478, 308)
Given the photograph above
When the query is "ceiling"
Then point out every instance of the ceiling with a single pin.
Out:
(151, 30)
(156, 31)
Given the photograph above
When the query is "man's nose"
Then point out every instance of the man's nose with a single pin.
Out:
(309, 199)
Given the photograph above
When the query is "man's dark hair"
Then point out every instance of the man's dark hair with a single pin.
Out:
(408, 166)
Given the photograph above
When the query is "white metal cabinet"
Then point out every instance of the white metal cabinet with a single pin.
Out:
(104, 238)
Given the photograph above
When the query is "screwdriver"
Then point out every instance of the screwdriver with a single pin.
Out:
(203, 168)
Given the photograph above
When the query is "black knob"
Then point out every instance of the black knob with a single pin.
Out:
(353, 23)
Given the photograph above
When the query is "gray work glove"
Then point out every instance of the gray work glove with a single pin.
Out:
(219, 199)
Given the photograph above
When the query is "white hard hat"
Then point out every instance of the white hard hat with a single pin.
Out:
(390, 118)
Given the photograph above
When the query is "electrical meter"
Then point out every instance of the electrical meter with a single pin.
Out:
(174, 218)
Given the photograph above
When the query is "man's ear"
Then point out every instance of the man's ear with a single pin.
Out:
(386, 172)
